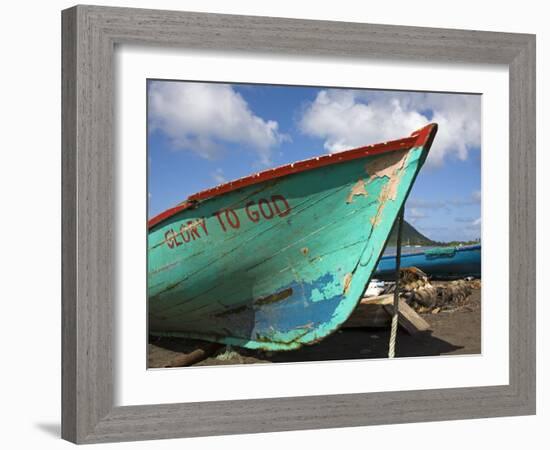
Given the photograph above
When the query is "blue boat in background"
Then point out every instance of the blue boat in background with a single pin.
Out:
(439, 262)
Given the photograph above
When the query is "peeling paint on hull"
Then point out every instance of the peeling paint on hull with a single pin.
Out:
(279, 262)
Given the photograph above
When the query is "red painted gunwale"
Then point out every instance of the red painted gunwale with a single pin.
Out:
(416, 139)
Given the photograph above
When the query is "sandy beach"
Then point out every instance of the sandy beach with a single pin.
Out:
(456, 331)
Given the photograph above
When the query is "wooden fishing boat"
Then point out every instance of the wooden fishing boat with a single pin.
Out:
(280, 258)
(439, 262)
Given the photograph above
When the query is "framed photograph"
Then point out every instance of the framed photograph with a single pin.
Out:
(267, 222)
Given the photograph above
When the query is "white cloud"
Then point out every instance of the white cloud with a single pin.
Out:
(473, 199)
(420, 203)
(199, 116)
(415, 213)
(352, 118)
(469, 223)
(218, 176)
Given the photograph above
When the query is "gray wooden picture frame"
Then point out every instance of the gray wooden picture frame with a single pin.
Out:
(90, 34)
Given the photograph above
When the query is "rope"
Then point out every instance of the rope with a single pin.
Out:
(395, 317)
(393, 335)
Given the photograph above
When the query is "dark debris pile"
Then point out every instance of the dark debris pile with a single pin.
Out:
(425, 295)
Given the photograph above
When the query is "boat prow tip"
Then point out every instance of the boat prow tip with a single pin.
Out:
(425, 135)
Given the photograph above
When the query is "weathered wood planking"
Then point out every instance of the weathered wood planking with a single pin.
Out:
(279, 263)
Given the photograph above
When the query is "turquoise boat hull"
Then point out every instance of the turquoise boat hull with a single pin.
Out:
(443, 263)
(279, 259)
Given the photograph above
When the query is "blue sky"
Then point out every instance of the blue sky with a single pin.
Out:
(202, 134)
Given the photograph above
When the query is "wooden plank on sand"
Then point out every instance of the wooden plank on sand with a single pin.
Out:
(197, 355)
(370, 313)
(409, 319)
(378, 311)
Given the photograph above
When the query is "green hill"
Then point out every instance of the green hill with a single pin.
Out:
(409, 236)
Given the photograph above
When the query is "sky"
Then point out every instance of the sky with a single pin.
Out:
(204, 134)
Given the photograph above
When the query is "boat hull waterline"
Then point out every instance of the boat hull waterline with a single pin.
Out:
(279, 259)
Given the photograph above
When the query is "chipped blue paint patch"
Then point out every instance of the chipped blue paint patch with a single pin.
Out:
(326, 288)
(286, 320)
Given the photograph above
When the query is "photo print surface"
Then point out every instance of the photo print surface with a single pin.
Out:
(272, 223)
